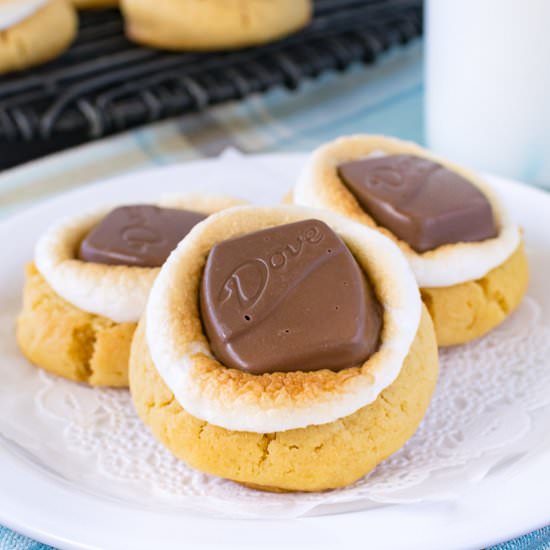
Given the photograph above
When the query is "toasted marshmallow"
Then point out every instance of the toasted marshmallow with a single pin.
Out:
(319, 186)
(277, 401)
(13, 12)
(117, 292)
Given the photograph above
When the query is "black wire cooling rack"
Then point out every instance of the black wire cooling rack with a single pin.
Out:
(105, 84)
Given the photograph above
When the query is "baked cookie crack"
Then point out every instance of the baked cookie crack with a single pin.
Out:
(263, 444)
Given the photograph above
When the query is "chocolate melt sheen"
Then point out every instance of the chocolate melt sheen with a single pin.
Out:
(420, 201)
(142, 235)
(288, 298)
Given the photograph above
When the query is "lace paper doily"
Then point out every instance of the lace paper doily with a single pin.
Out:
(486, 410)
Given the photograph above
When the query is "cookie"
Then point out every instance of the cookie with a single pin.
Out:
(449, 223)
(212, 24)
(293, 353)
(68, 341)
(89, 284)
(314, 458)
(34, 31)
(467, 311)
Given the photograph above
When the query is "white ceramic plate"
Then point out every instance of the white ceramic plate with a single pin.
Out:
(36, 502)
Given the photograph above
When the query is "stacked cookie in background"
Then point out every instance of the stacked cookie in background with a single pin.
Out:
(212, 24)
(290, 347)
(36, 31)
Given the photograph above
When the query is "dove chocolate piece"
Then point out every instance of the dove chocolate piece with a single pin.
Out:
(289, 298)
(141, 235)
(421, 202)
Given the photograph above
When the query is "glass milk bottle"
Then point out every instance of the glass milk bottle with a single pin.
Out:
(488, 85)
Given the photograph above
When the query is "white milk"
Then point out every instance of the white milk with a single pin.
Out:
(488, 85)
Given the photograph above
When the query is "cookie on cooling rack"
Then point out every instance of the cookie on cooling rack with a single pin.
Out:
(212, 24)
(468, 257)
(284, 348)
(89, 283)
(34, 31)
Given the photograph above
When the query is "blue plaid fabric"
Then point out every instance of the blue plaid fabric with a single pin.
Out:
(385, 99)
(538, 540)
(9, 540)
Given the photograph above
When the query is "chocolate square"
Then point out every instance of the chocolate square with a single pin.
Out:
(288, 298)
(141, 235)
(419, 201)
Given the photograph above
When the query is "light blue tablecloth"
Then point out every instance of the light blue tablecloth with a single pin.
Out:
(386, 99)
